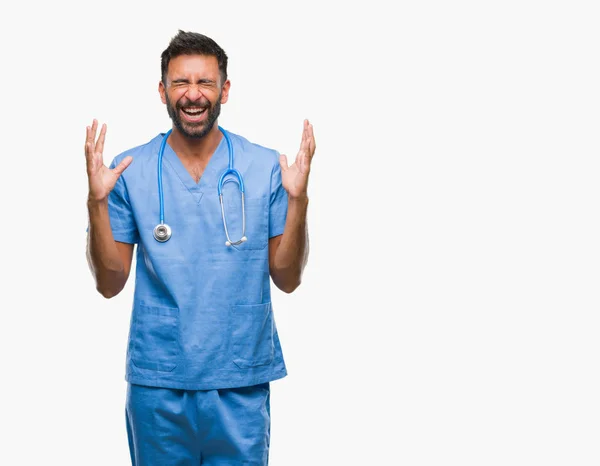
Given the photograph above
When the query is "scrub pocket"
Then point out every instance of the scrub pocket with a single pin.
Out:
(257, 222)
(252, 334)
(154, 334)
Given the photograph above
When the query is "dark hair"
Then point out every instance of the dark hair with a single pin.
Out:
(192, 43)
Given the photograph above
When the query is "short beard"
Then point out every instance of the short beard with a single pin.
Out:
(195, 132)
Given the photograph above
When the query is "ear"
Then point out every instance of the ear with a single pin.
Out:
(225, 92)
(162, 91)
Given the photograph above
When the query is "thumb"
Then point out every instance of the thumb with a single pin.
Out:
(123, 165)
(283, 162)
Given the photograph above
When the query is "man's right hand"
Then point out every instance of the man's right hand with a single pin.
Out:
(101, 178)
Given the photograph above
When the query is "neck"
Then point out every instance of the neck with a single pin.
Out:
(200, 149)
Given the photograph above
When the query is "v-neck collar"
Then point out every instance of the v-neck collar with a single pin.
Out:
(209, 176)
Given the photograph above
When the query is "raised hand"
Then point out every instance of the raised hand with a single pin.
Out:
(295, 177)
(101, 178)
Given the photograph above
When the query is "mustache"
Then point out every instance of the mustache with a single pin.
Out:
(201, 103)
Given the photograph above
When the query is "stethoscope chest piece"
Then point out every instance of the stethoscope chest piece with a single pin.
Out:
(162, 232)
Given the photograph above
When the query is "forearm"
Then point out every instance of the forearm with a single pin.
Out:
(292, 253)
(103, 256)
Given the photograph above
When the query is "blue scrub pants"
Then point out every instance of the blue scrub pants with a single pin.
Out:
(227, 427)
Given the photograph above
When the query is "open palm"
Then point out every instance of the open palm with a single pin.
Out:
(295, 177)
(101, 178)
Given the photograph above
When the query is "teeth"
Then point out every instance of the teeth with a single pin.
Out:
(194, 111)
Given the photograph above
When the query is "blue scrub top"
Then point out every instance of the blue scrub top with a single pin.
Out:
(202, 316)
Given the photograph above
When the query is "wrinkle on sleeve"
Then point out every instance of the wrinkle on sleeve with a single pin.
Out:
(279, 201)
(120, 212)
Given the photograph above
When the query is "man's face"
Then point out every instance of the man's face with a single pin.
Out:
(194, 94)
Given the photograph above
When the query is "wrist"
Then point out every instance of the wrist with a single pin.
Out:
(93, 203)
(300, 200)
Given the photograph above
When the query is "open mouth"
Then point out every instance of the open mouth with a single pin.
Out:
(193, 113)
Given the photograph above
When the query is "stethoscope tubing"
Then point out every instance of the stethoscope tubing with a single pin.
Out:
(162, 231)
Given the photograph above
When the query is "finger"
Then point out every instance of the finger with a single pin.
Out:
(304, 163)
(312, 145)
(123, 165)
(283, 163)
(88, 132)
(91, 135)
(88, 153)
(100, 143)
(304, 136)
(89, 140)
(304, 145)
(91, 161)
(94, 129)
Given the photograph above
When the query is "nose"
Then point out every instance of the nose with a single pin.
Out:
(193, 92)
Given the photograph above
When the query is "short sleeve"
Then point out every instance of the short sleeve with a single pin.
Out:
(120, 212)
(279, 202)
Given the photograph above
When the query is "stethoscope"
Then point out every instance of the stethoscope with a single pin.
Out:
(162, 231)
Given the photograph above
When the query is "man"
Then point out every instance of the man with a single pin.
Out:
(203, 344)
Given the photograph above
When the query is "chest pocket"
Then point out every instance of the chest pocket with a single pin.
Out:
(257, 221)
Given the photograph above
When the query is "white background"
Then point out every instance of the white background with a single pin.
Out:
(449, 311)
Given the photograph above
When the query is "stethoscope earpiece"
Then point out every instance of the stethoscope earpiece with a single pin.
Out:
(242, 239)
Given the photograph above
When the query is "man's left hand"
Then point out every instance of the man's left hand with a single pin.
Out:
(295, 177)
